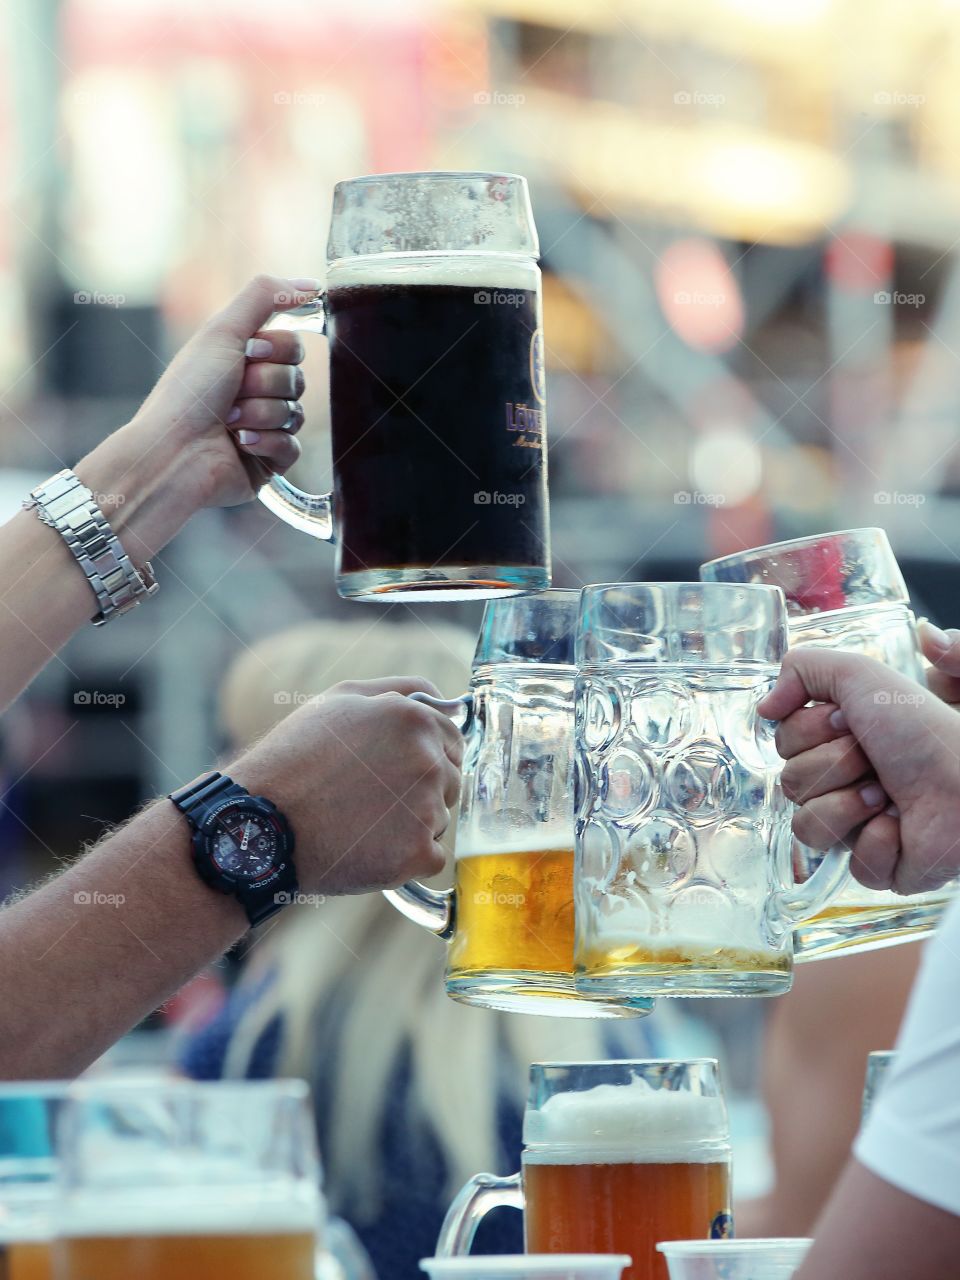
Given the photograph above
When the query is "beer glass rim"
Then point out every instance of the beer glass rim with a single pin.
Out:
(754, 1244)
(493, 652)
(630, 1062)
(791, 543)
(429, 173)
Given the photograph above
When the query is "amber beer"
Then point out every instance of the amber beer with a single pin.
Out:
(665, 1177)
(26, 1260)
(156, 1250)
(515, 913)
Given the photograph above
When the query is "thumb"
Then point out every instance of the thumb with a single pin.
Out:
(824, 675)
(257, 301)
(942, 648)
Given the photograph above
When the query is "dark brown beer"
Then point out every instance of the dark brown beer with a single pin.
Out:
(438, 418)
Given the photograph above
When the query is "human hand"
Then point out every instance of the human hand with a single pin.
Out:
(876, 764)
(229, 400)
(942, 648)
(366, 778)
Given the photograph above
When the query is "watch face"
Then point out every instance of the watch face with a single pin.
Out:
(246, 844)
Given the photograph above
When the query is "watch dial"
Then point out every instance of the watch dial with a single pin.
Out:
(245, 844)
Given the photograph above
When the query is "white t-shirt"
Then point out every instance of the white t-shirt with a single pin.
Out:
(912, 1135)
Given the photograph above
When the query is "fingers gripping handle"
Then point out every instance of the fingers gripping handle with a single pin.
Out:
(472, 1204)
(311, 513)
(433, 909)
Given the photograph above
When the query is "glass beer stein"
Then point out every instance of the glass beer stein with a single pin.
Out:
(437, 391)
(845, 591)
(683, 878)
(28, 1174)
(176, 1179)
(616, 1157)
(509, 919)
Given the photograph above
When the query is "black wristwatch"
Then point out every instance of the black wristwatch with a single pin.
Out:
(242, 844)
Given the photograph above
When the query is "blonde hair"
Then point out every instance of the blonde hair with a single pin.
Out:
(389, 975)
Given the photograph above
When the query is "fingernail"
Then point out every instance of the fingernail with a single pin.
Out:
(248, 437)
(838, 719)
(307, 284)
(938, 639)
(296, 416)
(893, 811)
(234, 414)
(259, 348)
(871, 795)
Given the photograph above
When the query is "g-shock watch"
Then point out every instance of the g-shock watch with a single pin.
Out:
(242, 844)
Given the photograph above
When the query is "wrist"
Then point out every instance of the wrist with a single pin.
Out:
(142, 482)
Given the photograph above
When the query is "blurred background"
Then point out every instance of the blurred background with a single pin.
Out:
(749, 212)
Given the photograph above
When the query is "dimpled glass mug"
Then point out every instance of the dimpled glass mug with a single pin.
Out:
(509, 920)
(437, 390)
(845, 591)
(616, 1157)
(683, 877)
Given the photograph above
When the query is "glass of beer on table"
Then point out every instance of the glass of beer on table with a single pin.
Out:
(509, 919)
(845, 591)
(28, 1170)
(437, 391)
(616, 1157)
(175, 1179)
(684, 883)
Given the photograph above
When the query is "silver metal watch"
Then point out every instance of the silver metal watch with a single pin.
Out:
(68, 506)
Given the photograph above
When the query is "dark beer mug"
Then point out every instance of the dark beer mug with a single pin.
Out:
(437, 397)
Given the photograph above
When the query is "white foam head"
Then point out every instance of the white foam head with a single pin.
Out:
(479, 271)
(189, 1211)
(550, 836)
(626, 1124)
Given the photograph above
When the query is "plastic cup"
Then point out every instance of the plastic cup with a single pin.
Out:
(733, 1259)
(528, 1266)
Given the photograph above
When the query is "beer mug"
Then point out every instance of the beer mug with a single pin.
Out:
(188, 1180)
(616, 1157)
(509, 919)
(437, 391)
(683, 877)
(28, 1171)
(845, 591)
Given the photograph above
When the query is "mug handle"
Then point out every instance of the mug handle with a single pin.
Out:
(433, 909)
(796, 903)
(473, 1202)
(311, 513)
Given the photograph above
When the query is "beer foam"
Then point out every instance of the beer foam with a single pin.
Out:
(626, 1124)
(548, 840)
(190, 1211)
(480, 271)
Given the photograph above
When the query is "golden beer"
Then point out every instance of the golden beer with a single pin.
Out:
(624, 1208)
(26, 1260)
(632, 960)
(237, 1255)
(515, 913)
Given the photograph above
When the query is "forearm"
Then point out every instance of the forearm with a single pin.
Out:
(86, 957)
(44, 596)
